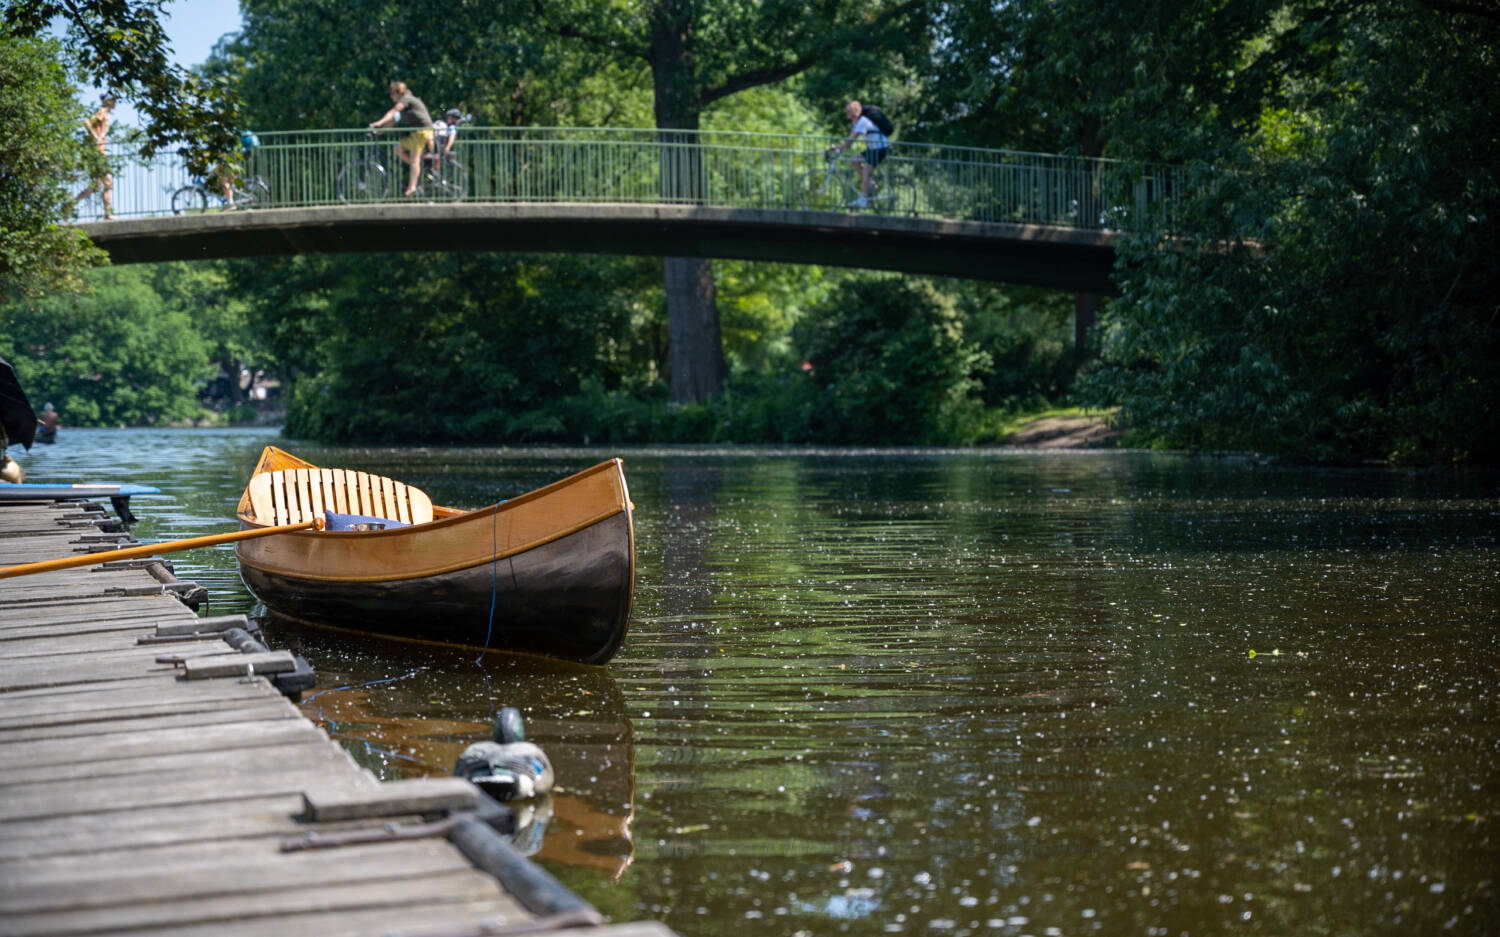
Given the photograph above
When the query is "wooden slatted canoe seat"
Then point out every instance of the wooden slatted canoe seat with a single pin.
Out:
(294, 496)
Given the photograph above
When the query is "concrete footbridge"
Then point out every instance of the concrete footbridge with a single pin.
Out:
(1038, 219)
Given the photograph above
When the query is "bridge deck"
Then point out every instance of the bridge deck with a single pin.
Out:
(134, 798)
(1040, 255)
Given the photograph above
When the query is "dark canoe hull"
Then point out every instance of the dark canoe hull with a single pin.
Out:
(568, 598)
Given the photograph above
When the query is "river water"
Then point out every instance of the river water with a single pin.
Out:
(955, 693)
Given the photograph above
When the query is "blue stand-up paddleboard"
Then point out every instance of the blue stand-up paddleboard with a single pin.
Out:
(118, 494)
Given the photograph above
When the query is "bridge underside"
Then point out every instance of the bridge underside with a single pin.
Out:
(1056, 258)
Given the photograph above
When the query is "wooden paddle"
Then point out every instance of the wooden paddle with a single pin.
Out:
(150, 549)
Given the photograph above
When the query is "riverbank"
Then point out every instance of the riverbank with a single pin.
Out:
(1069, 429)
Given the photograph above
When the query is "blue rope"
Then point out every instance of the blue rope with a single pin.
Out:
(494, 577)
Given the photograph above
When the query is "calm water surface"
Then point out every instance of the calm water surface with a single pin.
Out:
(962, 693)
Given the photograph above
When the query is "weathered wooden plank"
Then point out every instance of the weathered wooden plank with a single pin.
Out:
(21, 617)
(393, 891)
(236, 828)
(174, 733)
(37, 615)
(238, 665)
(111, 703)
(412, 795)
(245, 746)
(147, 828)
(250, 872)
(156, 681)
(87, 668)
(86, 625)
(412, 920)
(83, 795)
(90, 642)
(119, 645)
(108, 646)
(418, 916)
(81, 594)
(215, 623)
(419, 920)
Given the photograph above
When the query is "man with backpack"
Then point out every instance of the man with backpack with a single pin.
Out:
(870, 123)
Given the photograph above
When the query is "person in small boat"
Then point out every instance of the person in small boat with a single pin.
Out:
(49, 422)
(508, 767)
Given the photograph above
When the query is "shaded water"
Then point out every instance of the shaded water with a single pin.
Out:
(963, 693)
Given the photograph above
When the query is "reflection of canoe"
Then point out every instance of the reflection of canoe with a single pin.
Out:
(549, 572)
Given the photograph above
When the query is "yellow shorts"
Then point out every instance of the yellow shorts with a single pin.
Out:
(417, 141)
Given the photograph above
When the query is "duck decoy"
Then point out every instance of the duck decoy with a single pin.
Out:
(508, 767)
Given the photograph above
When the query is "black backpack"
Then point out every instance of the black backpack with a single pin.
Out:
(878, 118)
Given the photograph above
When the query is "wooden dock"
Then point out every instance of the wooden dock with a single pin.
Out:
(157, 780)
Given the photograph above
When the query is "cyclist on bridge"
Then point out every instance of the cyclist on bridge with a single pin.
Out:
(409, 109)
(871, 123)
(230, 175)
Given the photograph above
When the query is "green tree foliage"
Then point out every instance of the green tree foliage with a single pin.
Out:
(1028, 334)
(1141, 78)
(450, 347)
(121, 44)
(122, 355)
(891, 364)
(700, 53)
(316, 64)
(40, 155)
(1331, 294)
(221, 315)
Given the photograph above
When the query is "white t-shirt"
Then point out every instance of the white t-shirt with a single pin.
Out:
(441, 131)
(874, 139)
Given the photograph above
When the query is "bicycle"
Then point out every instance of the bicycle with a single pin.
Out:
(365, 178)
(193, 198)
(836, 188)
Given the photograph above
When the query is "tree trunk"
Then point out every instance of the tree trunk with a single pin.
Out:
(693, 339)
(696, 353)
(1085, 314)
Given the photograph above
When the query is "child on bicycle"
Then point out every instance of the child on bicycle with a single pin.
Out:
(445, 132)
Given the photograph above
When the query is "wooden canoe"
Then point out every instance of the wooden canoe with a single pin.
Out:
(549, 572)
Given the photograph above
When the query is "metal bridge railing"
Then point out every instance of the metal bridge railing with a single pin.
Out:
(714, 168)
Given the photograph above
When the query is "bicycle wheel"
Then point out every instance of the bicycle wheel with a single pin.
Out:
(190, 199)
(821, 190)
(256, 194)
(363, 181)
(891, 192)
(456, 180)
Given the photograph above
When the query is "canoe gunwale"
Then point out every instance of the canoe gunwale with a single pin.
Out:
(415, 531)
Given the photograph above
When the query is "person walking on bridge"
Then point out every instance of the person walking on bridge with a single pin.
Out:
(870, 123)
(98, 128)
(409, 109)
